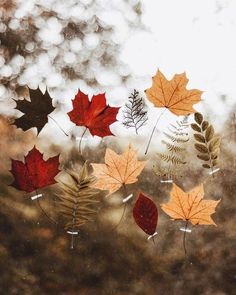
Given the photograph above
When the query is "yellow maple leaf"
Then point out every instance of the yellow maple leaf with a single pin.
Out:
(190, 206)
(118, 170)
(173, 94)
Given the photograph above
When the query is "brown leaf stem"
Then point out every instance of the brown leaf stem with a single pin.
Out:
(80, 142)
(38, 202)
(184, 238)
(124, 209)
(153, 130)
(58, 125)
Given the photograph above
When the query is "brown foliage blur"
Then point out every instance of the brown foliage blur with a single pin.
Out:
(35, 255)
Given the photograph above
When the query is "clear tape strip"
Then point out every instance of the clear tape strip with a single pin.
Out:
(125, 200)
(187, 230)
(152, 236)
(36, 197)
(166, 181)
(72, 232)
(214, 171)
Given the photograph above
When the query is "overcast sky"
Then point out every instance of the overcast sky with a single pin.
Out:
(196, 37)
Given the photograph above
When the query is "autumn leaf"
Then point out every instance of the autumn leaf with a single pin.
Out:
(35, 172)
(145, 214)
(78, 200)
(35, 111)
(190, 206)
(173, 94)
(207, 143)
(118, 170)
(95, 115)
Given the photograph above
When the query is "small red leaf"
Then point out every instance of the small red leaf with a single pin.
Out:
(35, 172)
(145, 214)
(95, 115)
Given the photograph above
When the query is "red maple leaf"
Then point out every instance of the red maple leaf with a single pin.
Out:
(145, 214)
(35, 172)
(95, 115)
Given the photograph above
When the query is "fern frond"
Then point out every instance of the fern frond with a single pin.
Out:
(172, 147)
(164, 172)
(174, 156)
(170, 158)
(135, 114)
(77, 200)
(178, 133)
(182, 125)
(175, 139)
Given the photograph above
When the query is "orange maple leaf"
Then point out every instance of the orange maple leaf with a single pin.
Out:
(118, 170)
(190, 206)
(173, 94)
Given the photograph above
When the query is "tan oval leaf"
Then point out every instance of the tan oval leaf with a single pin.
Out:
(204, 157)
(199, 138)
(198, 118)
(214, 144)
(195, 127)
(209, 133)
(201, 148)
(206, 166)
(205, 124)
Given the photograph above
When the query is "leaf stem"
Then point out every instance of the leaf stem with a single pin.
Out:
(153, 240)
(73, 224)
(208, 151)
(153, 130)
(80, 142)
(125, 190)
(124, 209)
(44, 212)
(72, 242)
(184, 238)
(38, 201)
(122, 217)
(58, 125)
(169, 173)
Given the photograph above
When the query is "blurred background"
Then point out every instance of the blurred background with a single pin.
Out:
(36, 257)
(114, 47)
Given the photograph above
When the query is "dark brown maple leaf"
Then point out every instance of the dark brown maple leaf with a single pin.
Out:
(35, 111)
